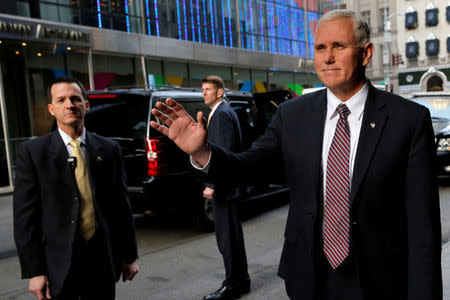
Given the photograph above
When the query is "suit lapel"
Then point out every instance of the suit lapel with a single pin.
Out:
(93, 158)
(315, 140)
(59, 156)
(372, 126)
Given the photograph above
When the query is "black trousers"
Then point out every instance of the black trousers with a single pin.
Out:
(90, 275)
(341, 283)
(230, 241)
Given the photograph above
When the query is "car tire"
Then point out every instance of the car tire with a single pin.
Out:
(205, 216)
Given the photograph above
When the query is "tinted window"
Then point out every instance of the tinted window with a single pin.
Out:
(191, 105)
(122, 117)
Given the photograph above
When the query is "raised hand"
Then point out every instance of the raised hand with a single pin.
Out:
(187, 134)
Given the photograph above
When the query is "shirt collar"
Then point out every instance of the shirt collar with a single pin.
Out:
(67, 139)
(355, 104)
(215, 107)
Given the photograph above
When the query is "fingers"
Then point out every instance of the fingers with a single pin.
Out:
(164, 130)
(201, 119)
(163, 117)
(47, 290)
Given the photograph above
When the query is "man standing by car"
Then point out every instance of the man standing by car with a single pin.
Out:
(364, 217)
(73, 226)
(224, 130)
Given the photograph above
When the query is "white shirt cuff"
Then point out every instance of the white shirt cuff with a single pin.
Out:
(196, 165)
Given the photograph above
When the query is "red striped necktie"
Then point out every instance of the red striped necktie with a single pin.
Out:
(337, 204)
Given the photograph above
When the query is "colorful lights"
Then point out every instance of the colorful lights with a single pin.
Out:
(127, 18)
(198, 23)
(229, 24)
(223, 25)
(24, 44)
(212, 22)
(17, 52)
(156, 17)
(179, 19)
(147, 13)
(192, 21)
(99, 14)
(39, 54)
(204, 21)
(185, 22)
(261, 22)
(68, 48)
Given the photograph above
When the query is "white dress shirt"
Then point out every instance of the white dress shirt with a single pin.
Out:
(213, 110)
(356, 106)
(67, 139)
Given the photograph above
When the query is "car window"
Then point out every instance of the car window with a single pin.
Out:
(191, 104)
(124, 117)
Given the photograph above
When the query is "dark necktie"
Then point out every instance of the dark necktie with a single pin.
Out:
(337, 205)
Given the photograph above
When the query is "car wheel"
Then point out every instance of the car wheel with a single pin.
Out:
(205, 217)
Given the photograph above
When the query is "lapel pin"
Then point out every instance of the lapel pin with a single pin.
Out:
(372, 125)
(99, 158)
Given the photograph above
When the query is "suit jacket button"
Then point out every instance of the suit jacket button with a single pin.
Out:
(309, 252)
(73, 222)
(76, 198)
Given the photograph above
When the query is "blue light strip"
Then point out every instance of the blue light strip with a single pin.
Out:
(99, 14)
(198, 24)
(229, 24)
(240, 24)
(251, 24)
(179, 19)
(127, 18)
(185, 21)
(147, 13)
(156, 17)
(213, 31)
(204, 21)
(192, 20)
(246, 26)
(262, 25)
(223, 26)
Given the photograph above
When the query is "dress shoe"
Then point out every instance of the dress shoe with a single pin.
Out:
(224, 293)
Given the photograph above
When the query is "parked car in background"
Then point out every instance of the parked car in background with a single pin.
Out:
(160, 177)
(439, 105)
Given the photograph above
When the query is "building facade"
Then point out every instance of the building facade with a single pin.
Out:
(255, 45)
(424, 40)
(383, 16)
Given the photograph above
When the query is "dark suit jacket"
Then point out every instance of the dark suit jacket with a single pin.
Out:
(395, 218)
(224, 131)
(46, 206)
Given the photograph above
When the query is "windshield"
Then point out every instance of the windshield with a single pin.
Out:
(439, 106)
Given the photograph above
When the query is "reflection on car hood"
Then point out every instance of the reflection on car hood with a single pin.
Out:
(441, 125)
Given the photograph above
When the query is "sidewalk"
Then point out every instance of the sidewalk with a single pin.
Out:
(266, 285)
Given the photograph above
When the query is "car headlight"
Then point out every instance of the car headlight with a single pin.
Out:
(443, 144)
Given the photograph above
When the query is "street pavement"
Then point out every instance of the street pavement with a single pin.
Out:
(185, 270)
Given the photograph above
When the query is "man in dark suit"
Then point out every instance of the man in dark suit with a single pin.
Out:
(73, 226)
(224, 131)
(364, 220)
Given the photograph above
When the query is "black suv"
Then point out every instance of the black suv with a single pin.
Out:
(160, 176)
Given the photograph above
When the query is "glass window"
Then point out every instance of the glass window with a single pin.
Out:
(241, 80)
(280, 80)
(154, 73)
(176, 73)
(198, 72)
(49, 12)
(116, 72)
(260, 81)
(27, 71)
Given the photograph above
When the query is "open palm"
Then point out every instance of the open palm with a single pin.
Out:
(181, 128)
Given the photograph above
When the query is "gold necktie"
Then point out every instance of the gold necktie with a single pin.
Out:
(209, 118)
(87, 218)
